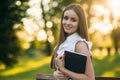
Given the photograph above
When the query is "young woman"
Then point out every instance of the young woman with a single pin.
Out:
(73, 37)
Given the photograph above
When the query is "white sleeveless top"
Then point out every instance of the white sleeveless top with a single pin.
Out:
(70, 42)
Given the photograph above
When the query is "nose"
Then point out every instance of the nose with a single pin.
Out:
(68, 22)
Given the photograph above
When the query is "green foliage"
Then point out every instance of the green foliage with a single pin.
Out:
(10, 14)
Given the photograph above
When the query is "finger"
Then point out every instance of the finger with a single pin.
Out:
(63, 56)
(56, 60)
(60, 57)
(59, 72)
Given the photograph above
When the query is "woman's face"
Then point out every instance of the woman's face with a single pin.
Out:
(70, 21)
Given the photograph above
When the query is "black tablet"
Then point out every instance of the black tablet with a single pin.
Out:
(75, 62)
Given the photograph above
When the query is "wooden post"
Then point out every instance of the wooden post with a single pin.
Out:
(50, 77)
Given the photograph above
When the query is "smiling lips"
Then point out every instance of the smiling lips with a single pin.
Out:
(67, 27)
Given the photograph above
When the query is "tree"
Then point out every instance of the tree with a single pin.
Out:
(11, 12)
(116, 38)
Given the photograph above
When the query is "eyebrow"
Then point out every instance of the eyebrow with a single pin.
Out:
(71, 17)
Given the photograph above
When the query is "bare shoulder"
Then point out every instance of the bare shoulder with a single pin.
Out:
(82, 47)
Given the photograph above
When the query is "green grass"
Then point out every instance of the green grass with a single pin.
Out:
(28, 75)
(28, 67)
(108, 66)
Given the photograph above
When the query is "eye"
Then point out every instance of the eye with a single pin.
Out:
(65, 17)
(73, 19)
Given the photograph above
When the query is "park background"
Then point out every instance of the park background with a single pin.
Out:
(29, 30)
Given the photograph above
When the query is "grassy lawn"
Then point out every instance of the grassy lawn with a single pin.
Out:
(28, 67)
(108, 66)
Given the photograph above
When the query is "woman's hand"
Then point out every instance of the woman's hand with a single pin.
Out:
(60, 62)
(59, 75)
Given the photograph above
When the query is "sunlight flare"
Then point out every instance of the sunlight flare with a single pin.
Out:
(42, 35)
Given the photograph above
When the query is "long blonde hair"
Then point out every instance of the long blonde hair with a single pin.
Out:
(82, 28)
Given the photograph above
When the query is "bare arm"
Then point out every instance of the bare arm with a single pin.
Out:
(81, 47)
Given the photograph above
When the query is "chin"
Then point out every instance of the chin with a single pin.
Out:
(69, 33)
